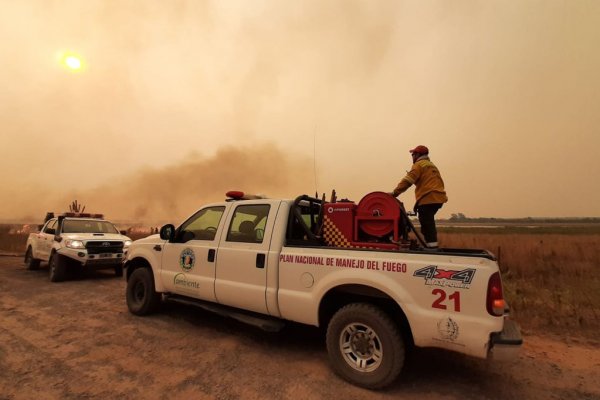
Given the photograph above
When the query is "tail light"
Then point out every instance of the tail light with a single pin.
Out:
(495, 298)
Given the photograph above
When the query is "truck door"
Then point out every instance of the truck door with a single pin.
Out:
(45, 240)
(188, 263)
(242, 262)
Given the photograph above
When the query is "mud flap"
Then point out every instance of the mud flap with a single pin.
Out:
(505, 345)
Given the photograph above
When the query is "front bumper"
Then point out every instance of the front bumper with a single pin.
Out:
(506, 345)
(95, 261)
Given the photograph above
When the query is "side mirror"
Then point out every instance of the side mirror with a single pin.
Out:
(167, 232)
(124, 233)
(58, 238)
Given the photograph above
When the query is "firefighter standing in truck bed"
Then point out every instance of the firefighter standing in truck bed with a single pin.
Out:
(429, 192)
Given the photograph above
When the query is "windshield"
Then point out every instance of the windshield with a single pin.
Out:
(88, 226)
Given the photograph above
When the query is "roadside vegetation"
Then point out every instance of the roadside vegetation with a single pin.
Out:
(552, 281)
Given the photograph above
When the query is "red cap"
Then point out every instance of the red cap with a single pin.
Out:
(420, 149)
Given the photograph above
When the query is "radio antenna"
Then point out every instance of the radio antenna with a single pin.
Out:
(315, 158)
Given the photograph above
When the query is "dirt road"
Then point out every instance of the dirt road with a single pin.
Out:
(76, 339)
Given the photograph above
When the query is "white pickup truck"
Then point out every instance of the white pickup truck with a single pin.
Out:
(82, 241)
(350, 268)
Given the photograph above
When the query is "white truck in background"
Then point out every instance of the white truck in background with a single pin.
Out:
(350, 268)
(77, 240)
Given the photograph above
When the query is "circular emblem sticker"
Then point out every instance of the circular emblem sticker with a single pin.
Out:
(448, 329)
(187, 259)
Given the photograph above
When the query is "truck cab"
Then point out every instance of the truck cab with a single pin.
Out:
(242, 233)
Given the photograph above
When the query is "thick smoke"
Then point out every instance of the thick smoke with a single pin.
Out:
(505, 95)
(153, 196)
(173, 192)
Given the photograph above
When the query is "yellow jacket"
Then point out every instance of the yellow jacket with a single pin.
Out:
(429, 186)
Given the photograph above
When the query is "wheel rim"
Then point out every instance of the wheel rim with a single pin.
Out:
(361, 347)
(139, 292)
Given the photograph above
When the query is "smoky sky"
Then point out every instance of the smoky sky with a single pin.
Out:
(169, 194)
(504, 94)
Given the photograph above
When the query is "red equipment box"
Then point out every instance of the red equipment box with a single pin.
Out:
(366, 225)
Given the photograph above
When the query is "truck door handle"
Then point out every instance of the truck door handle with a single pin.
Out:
(260, 260)
(211, 255)
(157, 247)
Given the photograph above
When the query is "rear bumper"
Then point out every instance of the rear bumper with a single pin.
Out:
(506, 345)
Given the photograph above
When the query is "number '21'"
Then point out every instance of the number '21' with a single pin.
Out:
(439, 302)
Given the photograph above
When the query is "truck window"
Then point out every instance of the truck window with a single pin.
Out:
(50, 228)
(88, 226)
(304, 224)
(201, 226)
(248, 223)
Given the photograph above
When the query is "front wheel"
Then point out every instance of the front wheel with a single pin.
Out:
(141, 296)
(30, 262)
(57, 268)
(365, 346)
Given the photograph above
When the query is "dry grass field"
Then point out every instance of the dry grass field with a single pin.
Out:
(551, 280)
(12, 243)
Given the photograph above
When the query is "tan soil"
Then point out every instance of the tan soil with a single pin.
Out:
(76, 340)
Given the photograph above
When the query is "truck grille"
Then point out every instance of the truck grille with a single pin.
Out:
(104, 246)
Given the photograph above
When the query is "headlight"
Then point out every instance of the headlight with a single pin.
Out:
(127, 243)
(74, 244)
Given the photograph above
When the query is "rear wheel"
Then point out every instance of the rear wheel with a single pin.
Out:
(365, 346)
(141, 296)
(30, 262)
(57, 268)
(119, 270)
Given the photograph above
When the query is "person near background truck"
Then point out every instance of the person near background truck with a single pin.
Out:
(430, 193)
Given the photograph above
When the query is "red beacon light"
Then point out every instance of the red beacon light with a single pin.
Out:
(235, 195)
(82, 215)
(239, 195)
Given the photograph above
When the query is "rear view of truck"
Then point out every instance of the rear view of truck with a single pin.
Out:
(379, 289)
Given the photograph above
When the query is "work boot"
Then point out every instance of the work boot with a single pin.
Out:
(433, 246)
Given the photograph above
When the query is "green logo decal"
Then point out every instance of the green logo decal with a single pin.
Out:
(181, 281)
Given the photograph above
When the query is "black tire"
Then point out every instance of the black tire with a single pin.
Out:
(141, 296)
(365, 346)
(57, 268)
(30, 262)
(119, 270)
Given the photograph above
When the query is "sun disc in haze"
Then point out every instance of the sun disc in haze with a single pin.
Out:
(71, 61)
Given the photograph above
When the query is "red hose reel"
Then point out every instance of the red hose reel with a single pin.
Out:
(378, 214)
(370, 224)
